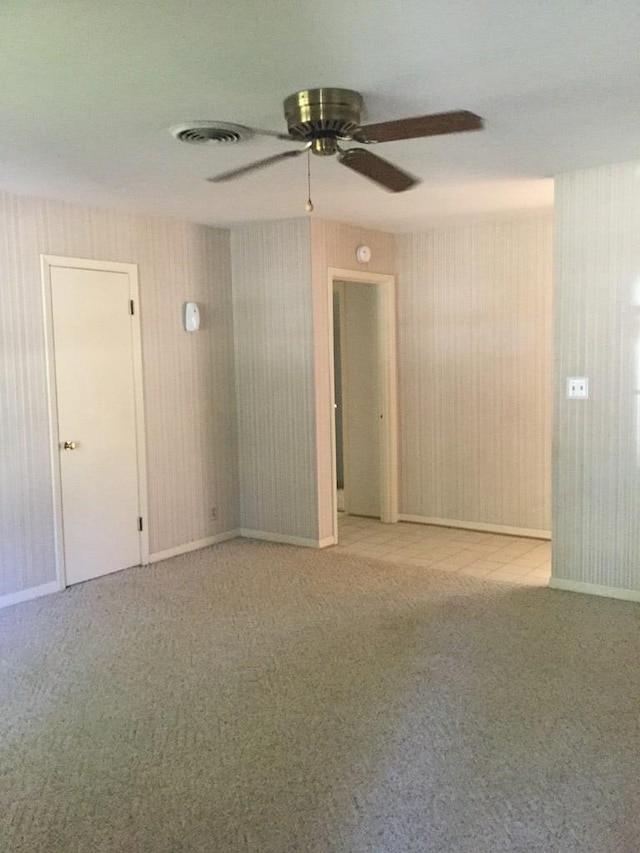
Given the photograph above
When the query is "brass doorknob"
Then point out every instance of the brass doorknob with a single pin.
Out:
(69, 445)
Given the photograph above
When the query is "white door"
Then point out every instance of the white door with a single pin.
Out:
(96, 412)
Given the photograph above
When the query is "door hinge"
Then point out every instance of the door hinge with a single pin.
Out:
(132, 309)
(140, 523)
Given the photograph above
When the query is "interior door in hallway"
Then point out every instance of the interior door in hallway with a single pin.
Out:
(91, 313)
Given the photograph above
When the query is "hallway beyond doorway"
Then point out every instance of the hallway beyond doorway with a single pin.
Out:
(492, 556)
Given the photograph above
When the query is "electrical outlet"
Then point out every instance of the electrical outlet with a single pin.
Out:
(577, 388)
(213, 513)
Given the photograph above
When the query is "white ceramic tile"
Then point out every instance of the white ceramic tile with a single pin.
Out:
(442, 549)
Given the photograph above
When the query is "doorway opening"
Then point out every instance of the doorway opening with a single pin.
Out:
(364, 392)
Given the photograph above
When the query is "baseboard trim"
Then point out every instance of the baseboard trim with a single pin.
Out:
(28, 594)
(283, 539)
(595, 589)
(196, 545)
(326, 543)
(478, 525)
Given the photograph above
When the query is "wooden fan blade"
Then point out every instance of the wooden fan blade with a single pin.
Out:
(253, 167)
(412, 128)
(378, 170)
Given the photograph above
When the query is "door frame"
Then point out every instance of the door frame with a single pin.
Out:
(47, 262)
(386, 291)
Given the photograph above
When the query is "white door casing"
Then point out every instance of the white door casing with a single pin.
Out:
(387, 371)
(95, 393)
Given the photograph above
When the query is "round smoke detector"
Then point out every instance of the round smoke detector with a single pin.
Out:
(210, 132)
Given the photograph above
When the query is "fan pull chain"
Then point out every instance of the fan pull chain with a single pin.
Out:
(309, 204)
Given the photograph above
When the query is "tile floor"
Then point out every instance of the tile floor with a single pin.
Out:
(468, 552)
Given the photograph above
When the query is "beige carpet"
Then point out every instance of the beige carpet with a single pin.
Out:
(257, 697)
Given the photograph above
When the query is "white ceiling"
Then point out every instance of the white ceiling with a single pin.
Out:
(89, 89)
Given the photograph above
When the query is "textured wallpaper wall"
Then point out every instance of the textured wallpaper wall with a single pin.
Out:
(474, 339)
(597, 316)
(474, 371)
(189, 392)
(274, 378)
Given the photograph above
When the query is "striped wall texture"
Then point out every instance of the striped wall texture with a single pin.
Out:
(597, 334)
(273, 328)
(189, 391)
(474, 352)
(473, 336)
(474, 321)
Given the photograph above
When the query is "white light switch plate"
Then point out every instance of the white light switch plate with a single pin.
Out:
(578, 388)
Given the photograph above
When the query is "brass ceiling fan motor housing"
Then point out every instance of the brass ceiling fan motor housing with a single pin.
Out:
(323, 117)
(320, 119)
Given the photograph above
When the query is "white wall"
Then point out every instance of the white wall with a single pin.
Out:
(474, 338)
(189, 395)
(597, 441)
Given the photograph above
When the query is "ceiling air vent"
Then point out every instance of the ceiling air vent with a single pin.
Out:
(211, 132)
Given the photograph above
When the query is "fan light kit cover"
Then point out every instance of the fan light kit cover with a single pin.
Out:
(322, 120)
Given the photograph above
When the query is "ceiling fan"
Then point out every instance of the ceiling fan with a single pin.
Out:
(323, 119)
